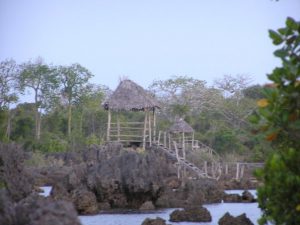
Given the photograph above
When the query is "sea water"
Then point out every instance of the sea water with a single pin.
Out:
(136, 218)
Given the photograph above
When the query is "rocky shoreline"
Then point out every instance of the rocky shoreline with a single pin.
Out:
(103, 178)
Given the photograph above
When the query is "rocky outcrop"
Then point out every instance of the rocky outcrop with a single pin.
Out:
(129, 180)
(246, 197)
(157, 221)
(36, 210)
(245, 183)
(122, 178)
(232, 198)
(190, 193)
(7, 211)
(19, 204)
(18, 182)
(228, 219)
(199, 214)
(84, 201)
(148, 205)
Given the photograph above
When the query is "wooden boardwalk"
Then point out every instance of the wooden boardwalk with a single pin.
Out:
(211, 166)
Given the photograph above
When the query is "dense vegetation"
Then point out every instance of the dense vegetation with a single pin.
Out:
(278, 118)
(67, 114)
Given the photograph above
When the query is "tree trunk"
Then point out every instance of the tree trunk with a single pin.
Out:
(8, 127)
(37, 116)
(69, 119)
(39, 122)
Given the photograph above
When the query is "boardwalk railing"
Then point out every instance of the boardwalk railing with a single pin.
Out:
(208, 166)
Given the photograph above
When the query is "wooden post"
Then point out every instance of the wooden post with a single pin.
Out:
(226, 168)
(213, 174)
(144, 133)
(165, 139)
(193, 139)
(183, 153)
(150, 132)
(169, 137)
(108, 125)
(242, 170)
(118, 127)
(183, 145)
(154, 125)
(176, 151)
(158, 140)
(237, 171)
(205, 168)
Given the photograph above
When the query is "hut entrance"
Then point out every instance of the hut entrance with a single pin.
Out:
(131, 115)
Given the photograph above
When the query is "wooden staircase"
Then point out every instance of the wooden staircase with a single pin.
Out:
(200, 172)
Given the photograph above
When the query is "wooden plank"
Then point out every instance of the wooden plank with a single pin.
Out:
(149, 131)
(108, 125)
(144, 132)
(127, 135)
(128, 123)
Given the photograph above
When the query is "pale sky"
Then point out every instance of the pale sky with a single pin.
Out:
(146, 40)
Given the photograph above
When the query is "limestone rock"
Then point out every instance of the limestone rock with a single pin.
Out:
(157, 221)
(199, 214)
(228, 219)
(232, 198)
(248, 197)
(84, 201)
(18, 182)
(148, 205)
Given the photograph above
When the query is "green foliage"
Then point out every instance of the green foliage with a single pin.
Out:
(280, 196)
(278, 119)
(254, 92)
(51, 143)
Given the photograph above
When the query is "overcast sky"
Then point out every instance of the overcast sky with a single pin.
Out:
(146, 40)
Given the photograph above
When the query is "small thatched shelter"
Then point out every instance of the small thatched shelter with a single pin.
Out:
(129, 96)
(180, 126)
(180, 131)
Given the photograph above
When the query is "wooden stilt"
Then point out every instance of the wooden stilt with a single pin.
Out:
(154, 125)
(183, 153)
(108, 126)
(158, 140)
(165, 139)
(242, 171)
(169, 138)
(118, 127)
(144, 133)
(193, 139)
(205, 168)
(149, 131)
(237, 171)
(226, 168)
(176, 151)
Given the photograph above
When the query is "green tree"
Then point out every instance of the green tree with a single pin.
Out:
(278, 118)
(8, 94)
(73, 79)
(41, 79)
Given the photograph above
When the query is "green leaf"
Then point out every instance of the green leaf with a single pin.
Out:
(281, 53)
(282, 31)
(291, 23)
(254, 118)
(277, 40)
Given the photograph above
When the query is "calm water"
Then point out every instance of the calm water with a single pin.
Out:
(46, 190)
(216, 210)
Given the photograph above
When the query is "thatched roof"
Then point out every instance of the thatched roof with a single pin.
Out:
(130, 96)
(180, 126)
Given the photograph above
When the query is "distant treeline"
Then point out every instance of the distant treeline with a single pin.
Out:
(67, 112)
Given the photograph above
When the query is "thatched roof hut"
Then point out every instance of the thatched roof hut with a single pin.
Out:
(129, 96)
(180, 126)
